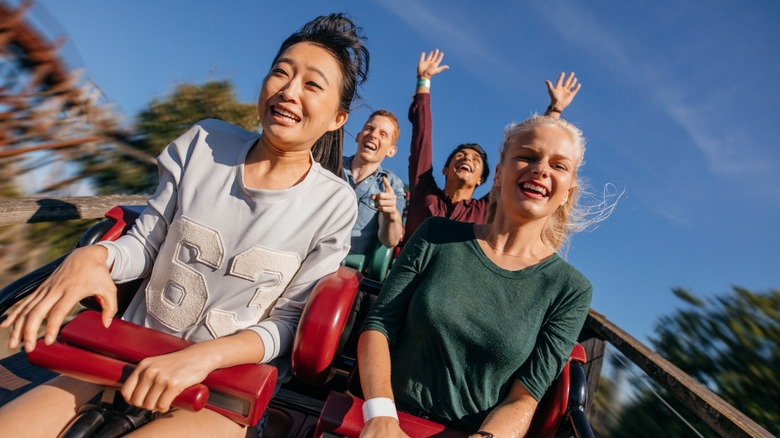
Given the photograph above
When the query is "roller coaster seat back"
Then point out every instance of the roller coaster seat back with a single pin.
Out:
(374, 265)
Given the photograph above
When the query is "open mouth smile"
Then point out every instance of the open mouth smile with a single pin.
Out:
(284, 115)
(535, 189)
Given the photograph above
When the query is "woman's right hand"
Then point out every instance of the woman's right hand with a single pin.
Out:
(83, 273)
(380, 427)
(428, 66)
(562, 94)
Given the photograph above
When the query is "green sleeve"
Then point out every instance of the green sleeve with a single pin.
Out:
(389, 312)
(556, 339)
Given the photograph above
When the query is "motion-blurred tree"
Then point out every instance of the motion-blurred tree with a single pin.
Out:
(127, 169)
(731, 344)
(168, 118)
(160, 123)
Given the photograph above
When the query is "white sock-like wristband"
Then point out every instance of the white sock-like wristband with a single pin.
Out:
(379, 407)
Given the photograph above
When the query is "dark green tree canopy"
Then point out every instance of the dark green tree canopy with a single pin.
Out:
(167, 118)
(729, 342)
(160, 123)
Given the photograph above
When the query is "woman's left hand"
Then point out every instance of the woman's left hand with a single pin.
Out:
(157, 380)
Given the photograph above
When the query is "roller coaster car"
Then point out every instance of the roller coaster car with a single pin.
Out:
(316, 402)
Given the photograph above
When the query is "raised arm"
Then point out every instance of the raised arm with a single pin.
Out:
(421, 179)
(428, 67)
(421, 158)
(562, 94)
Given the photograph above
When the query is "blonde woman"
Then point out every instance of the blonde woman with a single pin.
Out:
(475, 321)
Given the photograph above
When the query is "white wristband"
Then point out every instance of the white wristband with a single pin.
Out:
(379, 407)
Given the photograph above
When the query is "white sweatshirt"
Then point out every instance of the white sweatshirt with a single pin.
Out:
(227, 257)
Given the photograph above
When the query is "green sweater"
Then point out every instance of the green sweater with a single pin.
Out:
(462, 329)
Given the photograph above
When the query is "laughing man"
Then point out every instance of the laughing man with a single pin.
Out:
(380, 192)
(466, 167)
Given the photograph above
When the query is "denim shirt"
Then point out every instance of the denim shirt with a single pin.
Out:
(365, 232)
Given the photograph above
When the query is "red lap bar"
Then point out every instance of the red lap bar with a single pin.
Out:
(101, 370)
(241, 393)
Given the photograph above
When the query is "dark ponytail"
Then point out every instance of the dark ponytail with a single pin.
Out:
(328, 151)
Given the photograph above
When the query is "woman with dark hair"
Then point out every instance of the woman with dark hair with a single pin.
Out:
(476, 348)
(338, 38)
(241, 227)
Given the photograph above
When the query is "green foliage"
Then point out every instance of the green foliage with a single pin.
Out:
(166, 119)
(113, 173)
(30, 246)
(160, 123)
(602, 413)
(731, 343)
(114, 170)
(60, 237)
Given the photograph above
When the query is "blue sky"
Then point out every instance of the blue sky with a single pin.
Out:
(679, 104)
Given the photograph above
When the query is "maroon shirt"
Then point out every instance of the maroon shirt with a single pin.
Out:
(426, 199)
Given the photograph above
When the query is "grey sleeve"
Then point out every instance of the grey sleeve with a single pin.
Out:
(134, 253)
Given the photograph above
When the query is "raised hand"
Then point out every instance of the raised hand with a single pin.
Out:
(385, 201)
(82, 274)
(562, 94)
(429, 66)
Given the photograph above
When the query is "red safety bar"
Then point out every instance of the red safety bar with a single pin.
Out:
(124, 218)
(240, 393)
(342, 414)
(101, 370)
(319, 334)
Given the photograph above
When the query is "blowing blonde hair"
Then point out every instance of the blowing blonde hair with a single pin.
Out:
(568, 218)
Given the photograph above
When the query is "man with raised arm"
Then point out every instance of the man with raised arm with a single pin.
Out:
(380, 192)
(467, 166)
